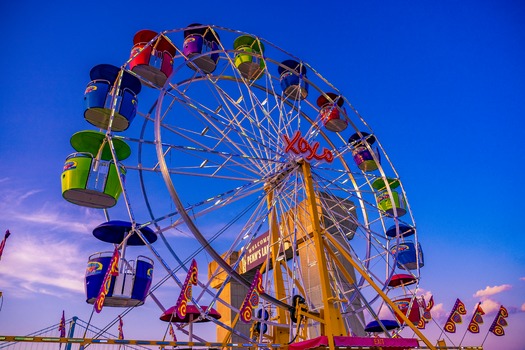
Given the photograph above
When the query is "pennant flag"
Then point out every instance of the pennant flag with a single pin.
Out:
(172, 332)
(186, 291)
(476, 320)
(120, 331)
(426, 314)
(106, 283)
(252, 298)
(499, 322)
(421, 323)
(503, 312)
(455, 316)
(2, 244)
(427, 317)
(62, 326)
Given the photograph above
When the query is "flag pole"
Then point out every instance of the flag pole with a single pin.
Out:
(486, 335)
(461, 341)
(475, 321)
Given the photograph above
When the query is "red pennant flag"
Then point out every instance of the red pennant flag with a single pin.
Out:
(252, 298)
(106, 283)
(186, 291)
(172, 332)
(62, 326)
(120, 329)
(499, 322)
(455, 316)
(476, 320)
(426, 312)
(2, 244)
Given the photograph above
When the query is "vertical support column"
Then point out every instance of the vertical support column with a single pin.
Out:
(71, 333)
(334, 325)
(281, 335)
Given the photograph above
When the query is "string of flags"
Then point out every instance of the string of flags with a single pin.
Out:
(455, 317)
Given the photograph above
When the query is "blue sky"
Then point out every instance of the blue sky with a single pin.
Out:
(442, 84)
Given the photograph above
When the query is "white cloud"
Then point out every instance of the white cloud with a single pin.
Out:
(490, 306)
(488, 291)
(522, 278)
(438, 312)
(522, 308)
(421, 292)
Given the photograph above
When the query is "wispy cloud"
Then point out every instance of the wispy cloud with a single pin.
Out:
(488, 291)
(522, 307)
(30, 210)
(33, 264)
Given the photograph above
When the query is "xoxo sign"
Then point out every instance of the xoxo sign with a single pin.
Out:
(298, 145)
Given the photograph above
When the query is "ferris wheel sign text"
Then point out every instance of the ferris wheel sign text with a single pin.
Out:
(300, 146)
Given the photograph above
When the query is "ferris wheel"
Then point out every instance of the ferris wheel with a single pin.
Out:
(242, 157)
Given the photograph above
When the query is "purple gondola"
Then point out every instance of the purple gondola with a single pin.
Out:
(201, 45)
(362, 151)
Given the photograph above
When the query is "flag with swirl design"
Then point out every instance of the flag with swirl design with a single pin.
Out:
(499, 322)
(186, 291)
(62, 325)
(2, 244)
(106, 283)
(120, 328)
(172, 332)
(252, 298)
(477, 319)
(455, 316)
(427, 316)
